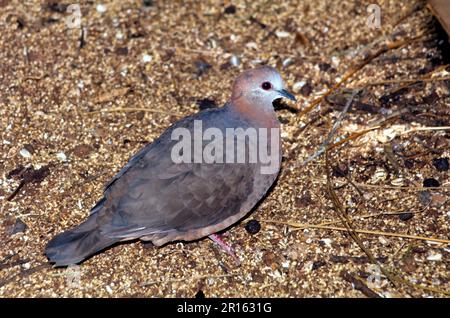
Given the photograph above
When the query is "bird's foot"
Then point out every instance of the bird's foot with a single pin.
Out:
(217, 238)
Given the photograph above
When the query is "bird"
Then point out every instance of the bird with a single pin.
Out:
(158, 199)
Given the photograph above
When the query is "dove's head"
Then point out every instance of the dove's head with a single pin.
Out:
(255, 90)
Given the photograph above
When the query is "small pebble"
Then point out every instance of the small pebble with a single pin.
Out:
(26, 266)
(397, 182)
(288, 62)
(253, 226)
(254, 46)
(285, 264)
(327, 242)
(298, 86)
(335, 60)
(282, 34)
(29, 147)
(25, 153)
(61, 156)
(435, 257)
(383, 241)
(231, 9)
(119, 35)
(109, 289)
(146, 58)
(101, 8)
(318, 264)
(441, 164)
(405, 216)
(431, 183)
(234, 61)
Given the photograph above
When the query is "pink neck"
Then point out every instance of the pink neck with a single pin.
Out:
(260, 116)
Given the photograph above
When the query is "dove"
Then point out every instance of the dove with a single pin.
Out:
(187, 185)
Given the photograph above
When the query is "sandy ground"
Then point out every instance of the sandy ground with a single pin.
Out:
(67, 128)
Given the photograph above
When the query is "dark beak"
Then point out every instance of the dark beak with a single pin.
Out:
(286, 94)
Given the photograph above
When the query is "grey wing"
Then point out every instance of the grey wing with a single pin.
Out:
(132, 162)
(151, 150)
(157, 196)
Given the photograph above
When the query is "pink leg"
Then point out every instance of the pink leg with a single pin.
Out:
(217, 238)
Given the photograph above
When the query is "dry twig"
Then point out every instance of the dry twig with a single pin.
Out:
(388, 46)
(324, 226)
(132, 109)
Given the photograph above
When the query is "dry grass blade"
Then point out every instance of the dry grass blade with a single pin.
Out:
(324, 226)
(358, 134)
(359, 284)
(340, 210)
(24, 274)
(133, 109)
(401, 81)
(388, 46)
(336, 125)
(353, 136)
(109, 96)
(426, 129)
(389, 273)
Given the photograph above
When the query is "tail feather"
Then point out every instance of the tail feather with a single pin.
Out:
(77, 244)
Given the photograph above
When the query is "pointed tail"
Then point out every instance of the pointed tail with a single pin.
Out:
(75, 245)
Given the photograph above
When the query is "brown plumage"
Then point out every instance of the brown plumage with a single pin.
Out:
(157, 200)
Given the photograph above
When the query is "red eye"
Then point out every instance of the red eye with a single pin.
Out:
(266, 86)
